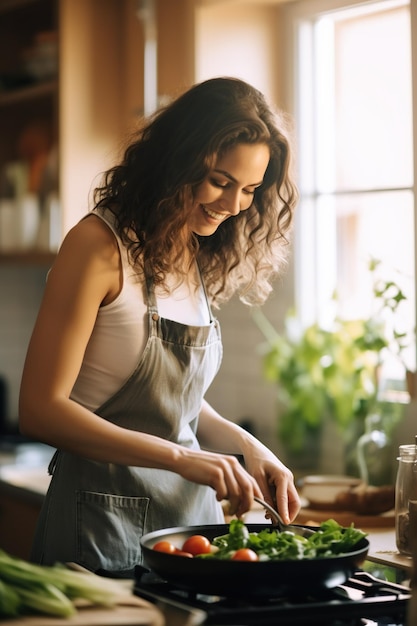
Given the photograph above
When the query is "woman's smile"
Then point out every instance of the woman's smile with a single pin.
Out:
(219, 217)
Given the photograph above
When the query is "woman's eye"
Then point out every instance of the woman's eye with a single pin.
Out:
(218, 183)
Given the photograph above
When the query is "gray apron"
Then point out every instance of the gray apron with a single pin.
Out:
(95, 513)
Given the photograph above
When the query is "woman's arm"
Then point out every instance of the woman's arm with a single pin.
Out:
(273, 477)
(86, 274)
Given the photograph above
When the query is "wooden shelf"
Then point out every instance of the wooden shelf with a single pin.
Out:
(11, 5)
(31, 92)
(27, 257)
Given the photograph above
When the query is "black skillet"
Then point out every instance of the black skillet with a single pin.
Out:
(235, 578)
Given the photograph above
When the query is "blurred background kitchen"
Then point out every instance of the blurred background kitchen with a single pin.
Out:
(75, 75)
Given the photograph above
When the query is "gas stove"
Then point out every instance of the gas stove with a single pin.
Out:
(362, 600)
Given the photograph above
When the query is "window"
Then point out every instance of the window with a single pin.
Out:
(352, 104)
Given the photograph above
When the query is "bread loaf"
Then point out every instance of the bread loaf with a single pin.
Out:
(367, 500)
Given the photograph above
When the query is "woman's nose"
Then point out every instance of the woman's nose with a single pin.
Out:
(231, 201)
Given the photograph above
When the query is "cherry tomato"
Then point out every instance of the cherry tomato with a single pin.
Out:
(245, 554)
(164, 546)
(182, 553)
(197, 544)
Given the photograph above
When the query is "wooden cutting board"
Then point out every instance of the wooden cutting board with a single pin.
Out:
(314, 517)
(130, 612)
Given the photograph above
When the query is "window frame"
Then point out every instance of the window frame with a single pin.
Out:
(294, 16)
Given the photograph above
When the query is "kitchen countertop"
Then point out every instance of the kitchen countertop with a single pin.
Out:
(24, 470)
(382, 549)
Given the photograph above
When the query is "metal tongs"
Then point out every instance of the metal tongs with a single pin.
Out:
(278, 522)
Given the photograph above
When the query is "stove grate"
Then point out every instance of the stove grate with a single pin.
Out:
(362, 597)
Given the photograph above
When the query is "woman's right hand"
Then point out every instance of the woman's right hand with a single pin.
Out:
(224, 474)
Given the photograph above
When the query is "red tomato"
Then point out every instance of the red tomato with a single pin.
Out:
(182, 553)
(197, 544)
(164, 546)
(245, 554)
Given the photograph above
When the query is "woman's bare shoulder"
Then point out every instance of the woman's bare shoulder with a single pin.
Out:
(89, 255)
(92, 238)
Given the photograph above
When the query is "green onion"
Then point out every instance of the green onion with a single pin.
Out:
(45, 598)
(9, 600)
(30, 588)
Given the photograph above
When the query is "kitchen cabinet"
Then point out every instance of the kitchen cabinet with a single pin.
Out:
(70, 87)
(102, 84)
(19, 511)
(83, 101)
(24, 480)
(28, 121)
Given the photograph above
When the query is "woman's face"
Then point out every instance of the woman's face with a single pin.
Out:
(229, 187)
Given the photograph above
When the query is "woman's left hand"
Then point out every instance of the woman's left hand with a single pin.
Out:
(275, 480)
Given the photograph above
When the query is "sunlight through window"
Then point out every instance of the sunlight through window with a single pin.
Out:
(354, 120)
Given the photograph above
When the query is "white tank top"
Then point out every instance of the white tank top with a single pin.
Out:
(120, 332)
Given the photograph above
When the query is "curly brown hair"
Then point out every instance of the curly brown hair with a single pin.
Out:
(171, 154)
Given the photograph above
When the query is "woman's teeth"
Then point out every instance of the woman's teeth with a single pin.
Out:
(213, 214)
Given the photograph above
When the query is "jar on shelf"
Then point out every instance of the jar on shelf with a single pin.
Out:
(405, 496)
(375, 453)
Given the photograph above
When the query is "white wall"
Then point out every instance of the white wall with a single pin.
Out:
(239, 41)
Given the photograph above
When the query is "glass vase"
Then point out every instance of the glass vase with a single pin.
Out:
(374, 453)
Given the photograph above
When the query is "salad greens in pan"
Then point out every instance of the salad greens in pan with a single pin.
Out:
(330, 539)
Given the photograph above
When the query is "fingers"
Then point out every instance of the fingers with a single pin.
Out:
(227, 477)
(286, 498)
(231, 481)
(277, 484)
(235, 484)
(294, 503)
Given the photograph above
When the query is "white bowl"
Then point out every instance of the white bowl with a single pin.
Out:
(322, 491)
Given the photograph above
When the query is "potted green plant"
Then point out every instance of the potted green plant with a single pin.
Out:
(331, 373)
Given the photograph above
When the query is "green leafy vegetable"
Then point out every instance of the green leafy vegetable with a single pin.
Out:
(27, 588)
(331, 539)
(45, 598)
(9, 600)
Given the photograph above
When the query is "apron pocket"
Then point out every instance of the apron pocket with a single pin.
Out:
(109, 528)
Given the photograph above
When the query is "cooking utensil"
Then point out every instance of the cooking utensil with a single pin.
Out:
(235, 578)
(279, 523)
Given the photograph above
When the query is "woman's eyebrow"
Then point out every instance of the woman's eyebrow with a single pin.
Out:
(230, 177)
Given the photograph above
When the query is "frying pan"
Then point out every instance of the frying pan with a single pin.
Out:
(237, 578)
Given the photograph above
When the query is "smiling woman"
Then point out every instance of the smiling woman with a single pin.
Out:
(126, 345)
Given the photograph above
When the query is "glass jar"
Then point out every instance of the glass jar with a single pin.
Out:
(412, 605)
(374, 453)
(405, 492)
